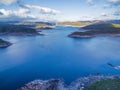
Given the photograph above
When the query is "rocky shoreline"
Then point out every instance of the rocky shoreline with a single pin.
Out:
(82, 83)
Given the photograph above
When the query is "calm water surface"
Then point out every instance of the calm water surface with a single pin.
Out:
(56, 56)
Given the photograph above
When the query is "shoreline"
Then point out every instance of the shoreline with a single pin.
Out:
(83, 83)
(20, 34)
(70, 26)
(4, 44)
(97, 35)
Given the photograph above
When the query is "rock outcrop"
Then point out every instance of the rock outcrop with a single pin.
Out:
(55, 84)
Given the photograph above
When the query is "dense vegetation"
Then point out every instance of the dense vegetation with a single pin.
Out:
(98, 29)
(109, 84)
(15, 29)
(95, 32)
(4, 44)
(2, 41)
(102, 27)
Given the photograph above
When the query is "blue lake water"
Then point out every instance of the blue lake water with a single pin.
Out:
(56, 56)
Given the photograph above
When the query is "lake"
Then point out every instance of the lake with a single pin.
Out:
(56, 55)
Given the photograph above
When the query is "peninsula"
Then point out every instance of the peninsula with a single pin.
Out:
(95, 30)
(44, 27)
(17, 30)
(4, 44)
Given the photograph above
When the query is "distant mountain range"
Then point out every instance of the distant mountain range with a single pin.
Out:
(102, 21)
(26, 23)
(113, 22)
(77, 23)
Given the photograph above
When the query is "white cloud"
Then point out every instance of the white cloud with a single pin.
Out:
(29, 13)
(104, 14)
(20, 14)
(43, 10)
(7, 2)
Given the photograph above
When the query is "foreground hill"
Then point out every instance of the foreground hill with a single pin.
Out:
(16, 30)
(98, 82)
(4, 44)
(98, 30)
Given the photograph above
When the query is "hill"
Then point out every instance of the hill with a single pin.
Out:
(75, 24)
(16, 30)
(98, 30)
(4, 44)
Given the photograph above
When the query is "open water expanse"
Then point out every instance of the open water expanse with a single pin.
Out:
(55, 55)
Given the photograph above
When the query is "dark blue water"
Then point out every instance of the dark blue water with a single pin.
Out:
(56, 56)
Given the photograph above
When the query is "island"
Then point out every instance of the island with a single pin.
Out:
(4, 44)
(44, 27)
(74, 24)
(17, 30)
(95, 30)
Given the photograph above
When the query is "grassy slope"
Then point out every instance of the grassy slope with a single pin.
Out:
(72, 24)
(43, 26)
(116, 25)
(110, 84)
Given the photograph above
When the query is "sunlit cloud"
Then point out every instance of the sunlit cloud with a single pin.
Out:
(43, 10)
(27, 13)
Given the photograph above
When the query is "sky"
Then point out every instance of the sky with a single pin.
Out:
(59, 10)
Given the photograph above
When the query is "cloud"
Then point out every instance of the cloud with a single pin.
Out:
(1, 13)
(8, 2)
(90, 1)
(117, 13)
(43, 10)
(28, 12)
(106, 6)
(114, 1)
(116, 5)
(104, 14)
(19, 14)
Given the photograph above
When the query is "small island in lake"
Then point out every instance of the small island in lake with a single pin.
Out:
(44, 27)
(97, 30)
(4, 44)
